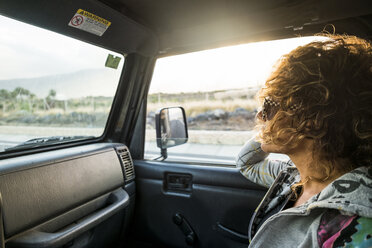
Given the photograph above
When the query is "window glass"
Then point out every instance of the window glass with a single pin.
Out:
(217, 88)
(52, 88)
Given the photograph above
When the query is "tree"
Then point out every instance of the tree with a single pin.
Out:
(5, 97)
(52, 93)
(50, 99)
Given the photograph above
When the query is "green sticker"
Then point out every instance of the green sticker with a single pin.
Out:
(112, 61)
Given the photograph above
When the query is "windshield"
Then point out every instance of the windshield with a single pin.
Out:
(53, 86)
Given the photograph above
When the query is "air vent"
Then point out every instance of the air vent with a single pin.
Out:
(127, 162)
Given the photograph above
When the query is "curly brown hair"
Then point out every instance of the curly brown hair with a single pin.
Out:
(330, 82)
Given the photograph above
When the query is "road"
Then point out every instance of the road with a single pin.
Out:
(192, 152)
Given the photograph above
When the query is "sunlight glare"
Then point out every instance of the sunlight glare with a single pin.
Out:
(235, 67)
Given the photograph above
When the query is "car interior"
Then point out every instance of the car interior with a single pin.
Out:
(100, 191)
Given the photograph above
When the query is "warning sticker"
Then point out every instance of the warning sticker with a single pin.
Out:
(89, 22)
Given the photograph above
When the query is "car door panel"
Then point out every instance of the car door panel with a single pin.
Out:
(216, 202)
(62, 198)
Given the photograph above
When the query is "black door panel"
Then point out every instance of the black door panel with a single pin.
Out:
(215, 202)
(65, 198)
(45, 235)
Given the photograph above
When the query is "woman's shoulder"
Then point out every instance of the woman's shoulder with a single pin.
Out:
(349, 193)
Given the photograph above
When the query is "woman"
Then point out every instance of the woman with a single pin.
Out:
(317, 109)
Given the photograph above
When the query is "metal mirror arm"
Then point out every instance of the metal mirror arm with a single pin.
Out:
(164, 154)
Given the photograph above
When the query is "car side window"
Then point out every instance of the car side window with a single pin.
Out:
(53, 88)
(217, 89)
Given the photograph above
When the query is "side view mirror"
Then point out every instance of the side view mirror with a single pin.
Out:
(171, 128)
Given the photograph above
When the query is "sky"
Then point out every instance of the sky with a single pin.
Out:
(31, 52)
(234, 67)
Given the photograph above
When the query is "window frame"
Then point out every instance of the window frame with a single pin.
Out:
(110, 117)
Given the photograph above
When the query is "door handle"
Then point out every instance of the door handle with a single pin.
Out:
(178, 182)
(118, 199)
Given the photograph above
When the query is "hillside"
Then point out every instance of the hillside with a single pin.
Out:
(93, 82)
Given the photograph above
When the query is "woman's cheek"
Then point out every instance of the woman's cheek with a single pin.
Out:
(271, 148)
(267, 147)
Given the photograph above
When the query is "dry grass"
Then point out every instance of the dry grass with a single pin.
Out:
(194, 108)
(55, 111)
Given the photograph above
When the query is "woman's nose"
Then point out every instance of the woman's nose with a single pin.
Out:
(259, 115)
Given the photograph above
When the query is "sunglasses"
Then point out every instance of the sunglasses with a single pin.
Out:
(271, 107)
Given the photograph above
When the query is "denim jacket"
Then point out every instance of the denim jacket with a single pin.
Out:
(339, 216)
